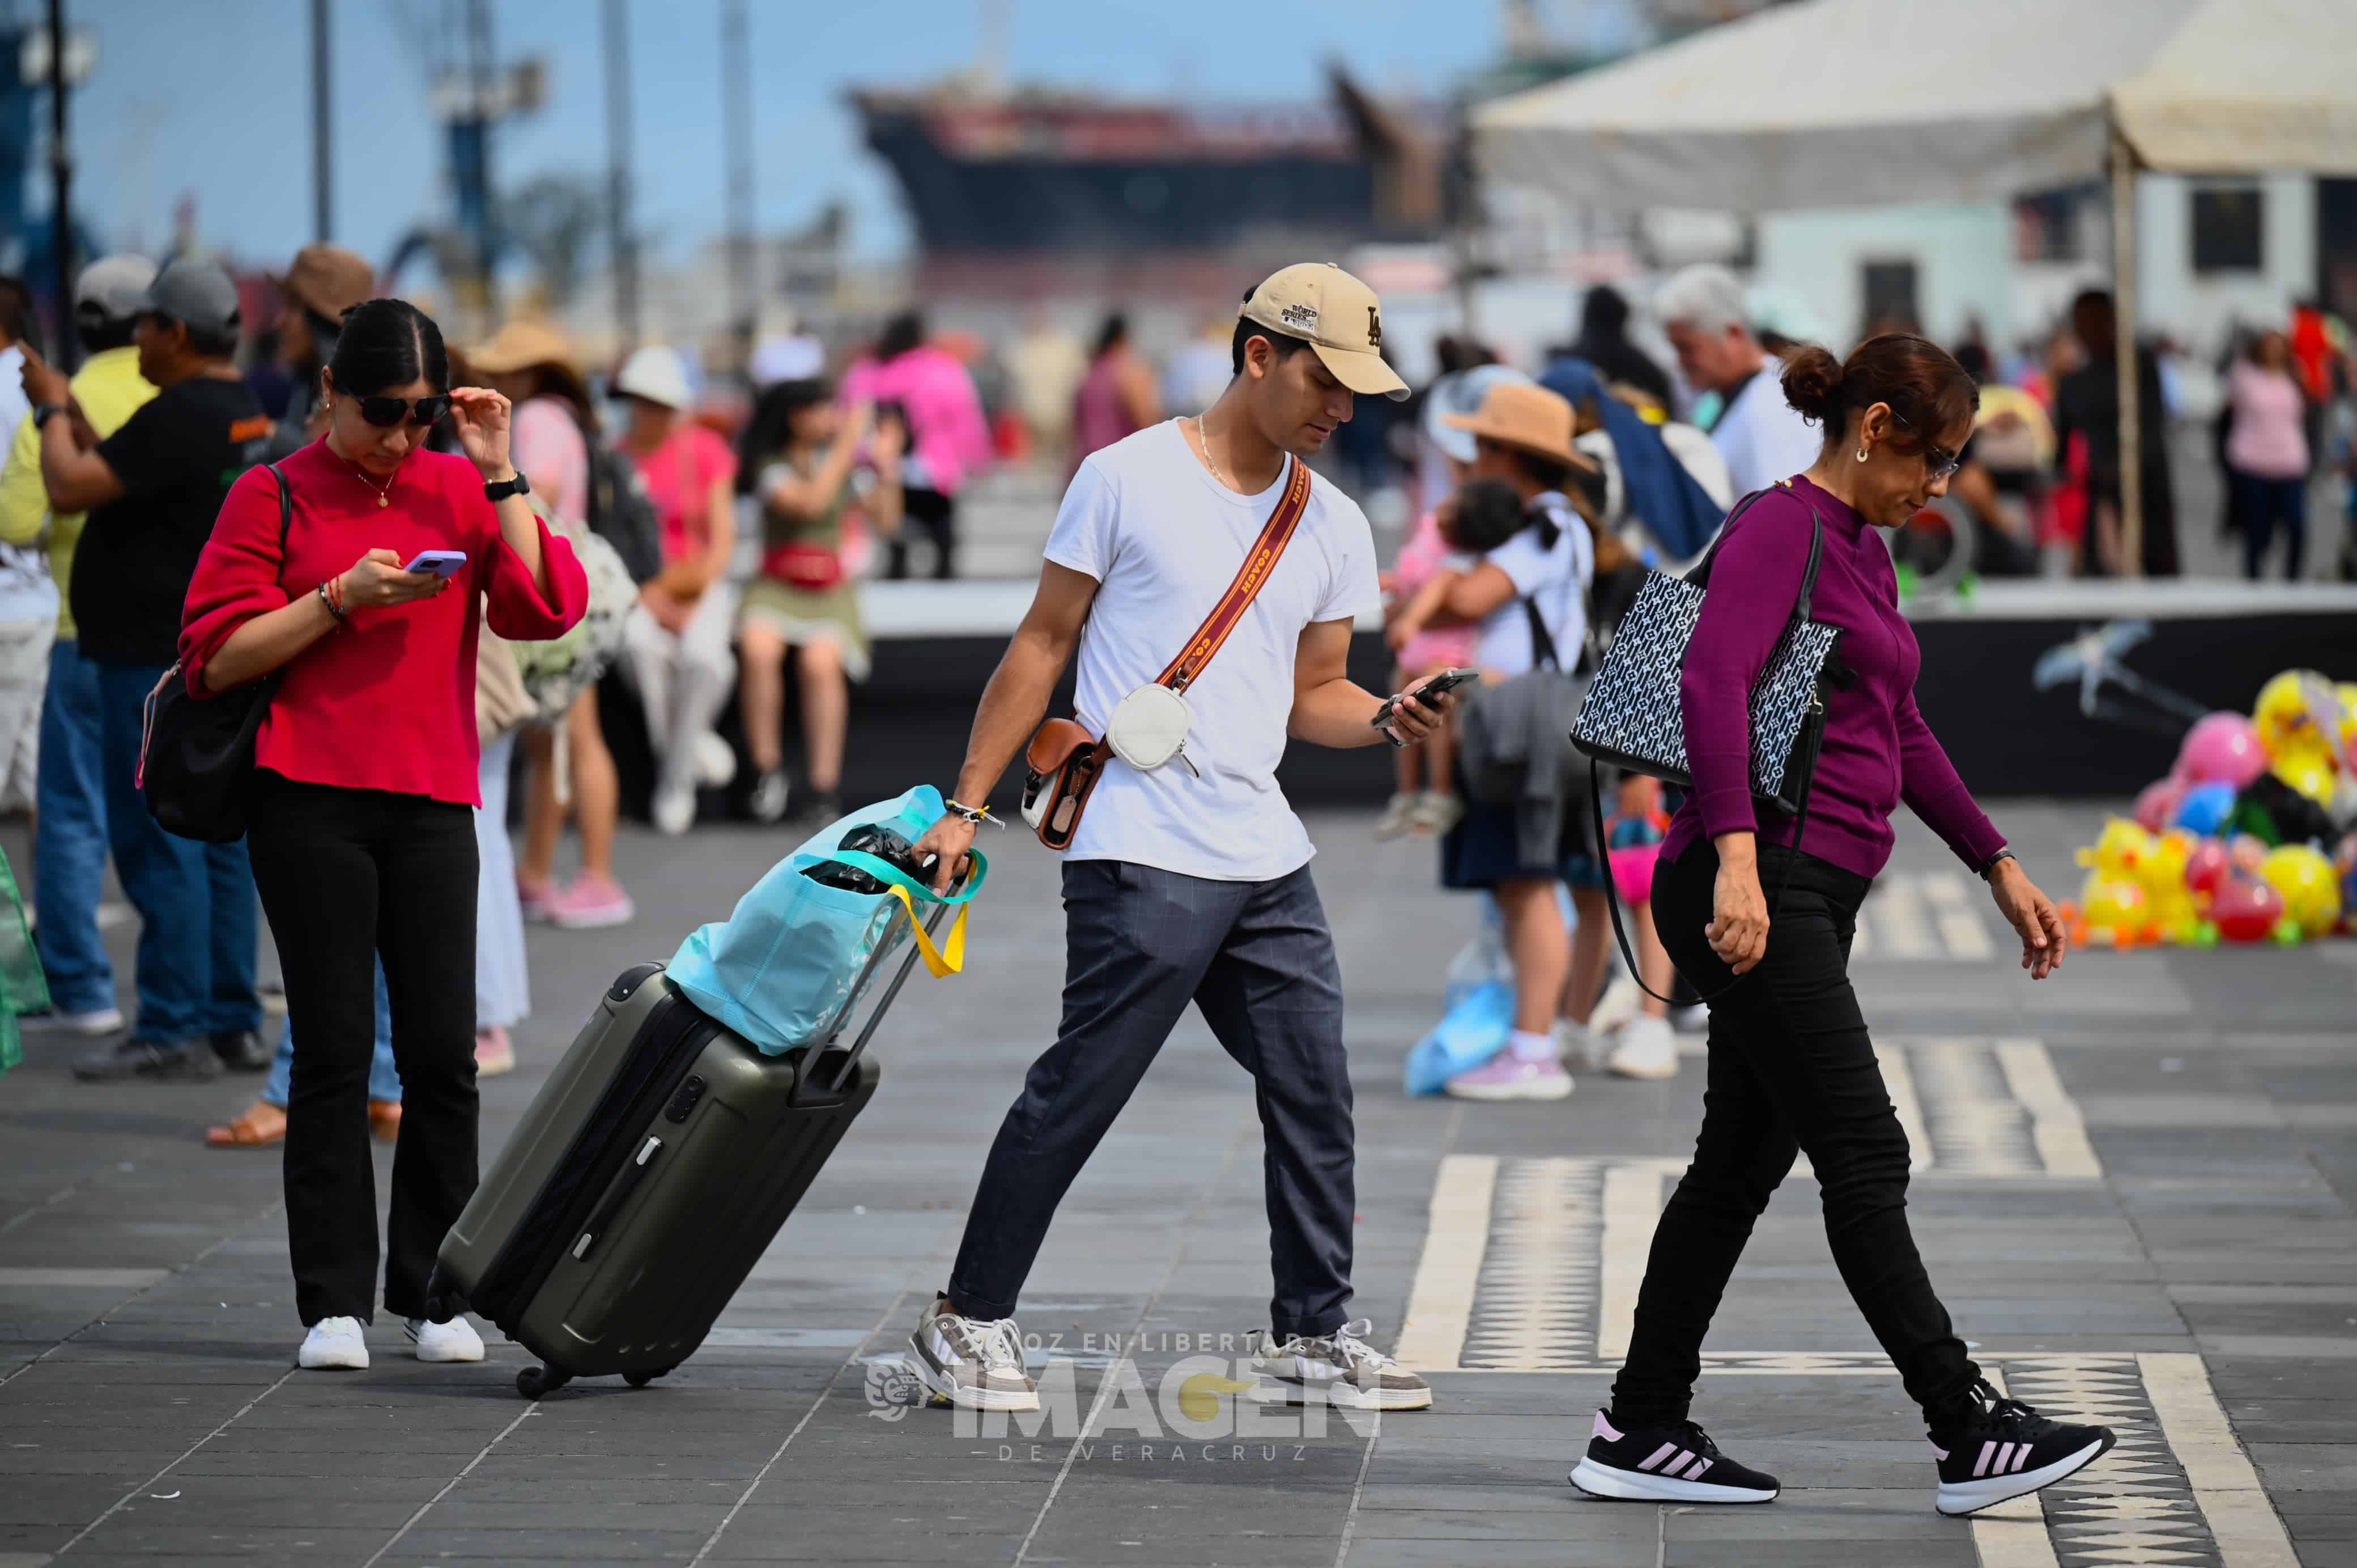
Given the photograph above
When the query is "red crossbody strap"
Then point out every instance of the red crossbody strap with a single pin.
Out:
(1259, 565)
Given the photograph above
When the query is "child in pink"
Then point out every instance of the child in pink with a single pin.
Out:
(1433, 808)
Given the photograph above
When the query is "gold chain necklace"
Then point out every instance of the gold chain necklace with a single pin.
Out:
(361, 475)
(1204, 437)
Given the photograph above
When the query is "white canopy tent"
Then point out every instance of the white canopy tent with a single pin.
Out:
(1854, 102)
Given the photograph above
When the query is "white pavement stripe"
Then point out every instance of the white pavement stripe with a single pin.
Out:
(81, 1279)
(2242, 1520)
(1967, 939)
(1897, 910)
(1632, 1205)
(2013, 1534)
(2056, 1127)
(1900, 1080)
(1440, 1304)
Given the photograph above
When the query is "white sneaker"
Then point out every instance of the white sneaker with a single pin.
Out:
(1620, 1004)
(453, 1341)
(1580, 1044)
(716, 763)
(1398, 812)
(1648, 1048)
(90, 1026)
(1343, 1366)
(674, 812)
(975, 1363)
(771, 795)
(334, 1344)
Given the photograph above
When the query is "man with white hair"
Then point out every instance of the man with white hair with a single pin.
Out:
(1762, 437)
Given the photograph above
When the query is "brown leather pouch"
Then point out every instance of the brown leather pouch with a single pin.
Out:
(1063, 765)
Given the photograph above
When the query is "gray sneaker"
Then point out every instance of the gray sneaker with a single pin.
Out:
(1350, 1371)
(973, 1362)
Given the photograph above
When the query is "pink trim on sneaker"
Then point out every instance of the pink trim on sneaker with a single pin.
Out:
(1604, 1429)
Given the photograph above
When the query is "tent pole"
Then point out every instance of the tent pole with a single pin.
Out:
(2124, 292)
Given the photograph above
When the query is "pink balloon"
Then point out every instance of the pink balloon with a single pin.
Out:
(2207, 867)
(2245, 911)
(2157, 806)
(2222, 748)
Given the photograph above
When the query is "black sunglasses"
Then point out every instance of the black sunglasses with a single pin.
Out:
(385, 412)
(1940, 463)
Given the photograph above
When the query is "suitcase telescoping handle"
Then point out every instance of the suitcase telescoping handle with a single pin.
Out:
(883, 1004)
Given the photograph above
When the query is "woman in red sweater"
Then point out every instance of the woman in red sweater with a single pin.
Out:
(363, 838)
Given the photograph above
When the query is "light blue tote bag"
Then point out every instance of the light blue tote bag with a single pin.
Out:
(784, 969)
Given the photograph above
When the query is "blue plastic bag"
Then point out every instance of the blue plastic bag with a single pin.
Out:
(1473, 1030)
(783, 968)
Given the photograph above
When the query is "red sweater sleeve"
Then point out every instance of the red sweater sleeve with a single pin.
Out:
(1754, 582)
(516, 609)
(1928, 784)
(237, 576)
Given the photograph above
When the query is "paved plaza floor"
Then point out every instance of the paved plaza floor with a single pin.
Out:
(2134, 1191)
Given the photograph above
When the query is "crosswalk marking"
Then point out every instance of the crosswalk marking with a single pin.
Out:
(1441, 1301)
(1533, 1265)
(2242, 1520)
(2012, 1534)
(1921, 916)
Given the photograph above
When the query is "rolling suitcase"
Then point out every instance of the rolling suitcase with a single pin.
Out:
(648, 1177)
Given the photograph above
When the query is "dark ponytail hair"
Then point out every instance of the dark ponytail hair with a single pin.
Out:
(1922, 381)
(389, 343)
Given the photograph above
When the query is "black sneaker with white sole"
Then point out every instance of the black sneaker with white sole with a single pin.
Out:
(2003, 1449)
(1677, 1464)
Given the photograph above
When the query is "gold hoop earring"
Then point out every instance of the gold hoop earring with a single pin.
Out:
(1861, 454)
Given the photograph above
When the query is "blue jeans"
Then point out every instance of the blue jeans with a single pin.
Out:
(384, 1079)
(200, 917)
(69, 845)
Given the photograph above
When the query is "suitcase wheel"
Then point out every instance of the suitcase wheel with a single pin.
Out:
(640, 1379)
(535, 1382)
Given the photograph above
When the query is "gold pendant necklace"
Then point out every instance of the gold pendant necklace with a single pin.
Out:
(361, 474)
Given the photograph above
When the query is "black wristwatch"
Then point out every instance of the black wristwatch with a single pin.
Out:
(41, 414)
(1988, 866)
(506, 488)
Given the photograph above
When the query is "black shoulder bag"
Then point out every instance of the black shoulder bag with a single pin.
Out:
(196, 755)
(1633, 716)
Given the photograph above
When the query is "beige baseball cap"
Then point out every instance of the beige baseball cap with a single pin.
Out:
(1336, 315)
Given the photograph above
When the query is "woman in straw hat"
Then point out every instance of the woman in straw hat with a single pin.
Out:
(1522, 587)
(556, 431)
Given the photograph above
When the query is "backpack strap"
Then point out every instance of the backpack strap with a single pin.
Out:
(285, 508)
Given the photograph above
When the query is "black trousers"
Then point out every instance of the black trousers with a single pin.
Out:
(935, 515)
(1257, 958)
(1792, 1068)
(348, 875)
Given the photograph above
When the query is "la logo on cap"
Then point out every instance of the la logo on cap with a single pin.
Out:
(1374, 327)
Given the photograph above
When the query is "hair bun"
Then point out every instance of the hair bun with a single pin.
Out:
(1813, 384)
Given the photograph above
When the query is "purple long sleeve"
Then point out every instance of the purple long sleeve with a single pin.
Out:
(1877, 751)
(1928, 781)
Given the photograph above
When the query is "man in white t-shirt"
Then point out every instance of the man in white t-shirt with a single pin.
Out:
(1189, 882)
(1762, 437)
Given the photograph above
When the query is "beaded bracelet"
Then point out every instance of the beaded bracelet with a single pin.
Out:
(975, 814)
(332, 600)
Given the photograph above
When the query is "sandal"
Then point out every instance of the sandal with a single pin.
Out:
(264, 1126)
(384, 1119)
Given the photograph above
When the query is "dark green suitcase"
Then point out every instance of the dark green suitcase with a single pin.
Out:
(646, 1178)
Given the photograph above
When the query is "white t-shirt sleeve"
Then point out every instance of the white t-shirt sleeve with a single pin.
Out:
(1526, 565)
(1086, 536)
(1355, 589)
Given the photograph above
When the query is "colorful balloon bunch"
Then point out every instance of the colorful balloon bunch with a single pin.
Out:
(2229, 846)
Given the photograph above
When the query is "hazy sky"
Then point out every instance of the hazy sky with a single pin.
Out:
(212, 98)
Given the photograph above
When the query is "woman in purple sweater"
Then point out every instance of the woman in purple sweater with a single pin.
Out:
(1792, 1065)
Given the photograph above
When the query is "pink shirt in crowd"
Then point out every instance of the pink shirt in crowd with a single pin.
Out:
(2268, 439)
(680, 475)
(548, 448)
(1421, 559)
(949, 439)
